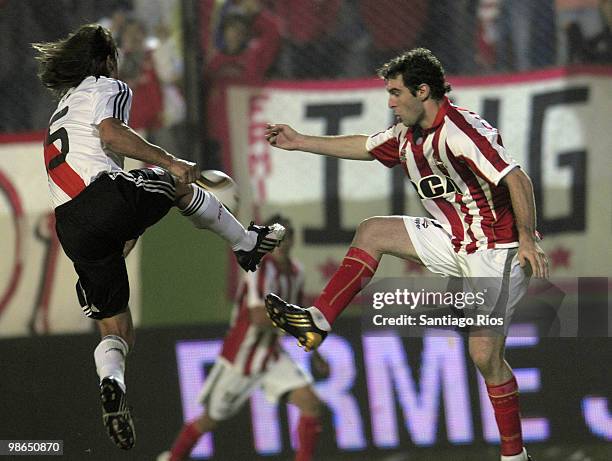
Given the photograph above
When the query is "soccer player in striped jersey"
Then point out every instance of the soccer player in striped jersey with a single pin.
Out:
(483, 225)
(101, 209)
(251, 356)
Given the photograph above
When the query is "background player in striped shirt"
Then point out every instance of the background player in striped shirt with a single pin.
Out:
(484, 224)
(252, 356)
(101, 209)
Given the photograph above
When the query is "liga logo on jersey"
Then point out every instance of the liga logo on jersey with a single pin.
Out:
(434, 186)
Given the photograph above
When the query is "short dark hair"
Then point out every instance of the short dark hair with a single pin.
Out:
(417, 66)
(65, 63)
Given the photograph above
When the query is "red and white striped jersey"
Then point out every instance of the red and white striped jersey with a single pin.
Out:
(74, 155)
(456, 167)
(251, 348)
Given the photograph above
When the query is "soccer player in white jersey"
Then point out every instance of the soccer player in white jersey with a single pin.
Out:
(251, 356)
(484, 218)
(101, 209)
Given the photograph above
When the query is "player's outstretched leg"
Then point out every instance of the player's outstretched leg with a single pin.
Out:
(116, 414)
(310, 325)
(205, 211)
(297, 321)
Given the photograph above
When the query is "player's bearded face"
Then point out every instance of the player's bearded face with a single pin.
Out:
(404, 105)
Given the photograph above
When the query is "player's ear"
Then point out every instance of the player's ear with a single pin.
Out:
(423, 92)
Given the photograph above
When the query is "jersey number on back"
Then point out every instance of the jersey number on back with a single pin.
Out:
(55, 160)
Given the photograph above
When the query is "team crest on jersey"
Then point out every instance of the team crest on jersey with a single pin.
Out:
(434, 186)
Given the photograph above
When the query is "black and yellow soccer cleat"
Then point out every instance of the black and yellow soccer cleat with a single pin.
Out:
(296, 321)
(116, 414)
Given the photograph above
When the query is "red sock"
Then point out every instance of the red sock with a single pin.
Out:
(185, 441)
(505, 401)
(309, 429)
(356, 267)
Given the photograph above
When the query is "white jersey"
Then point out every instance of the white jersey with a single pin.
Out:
(74, 155)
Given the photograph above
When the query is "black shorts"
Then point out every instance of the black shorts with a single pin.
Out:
(94, 226)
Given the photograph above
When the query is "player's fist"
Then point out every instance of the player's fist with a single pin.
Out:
(184, 171)
(530, 254)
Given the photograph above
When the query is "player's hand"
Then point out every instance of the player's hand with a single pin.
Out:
(530, 253)
(185, 172)
(282, 136)
(320, 367)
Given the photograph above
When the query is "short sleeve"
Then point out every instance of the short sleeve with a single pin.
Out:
(480, 145)
(112, 98)
(384, 146)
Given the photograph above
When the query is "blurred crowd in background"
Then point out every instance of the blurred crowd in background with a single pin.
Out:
(250, 41)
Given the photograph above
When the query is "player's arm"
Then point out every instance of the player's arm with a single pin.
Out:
(120, 138)
(352, 147)
(259, 317)
(523, 204)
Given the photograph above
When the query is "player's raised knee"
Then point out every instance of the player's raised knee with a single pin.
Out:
(371, 227)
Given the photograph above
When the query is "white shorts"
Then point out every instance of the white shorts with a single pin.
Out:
(226, 389)
(494, 272)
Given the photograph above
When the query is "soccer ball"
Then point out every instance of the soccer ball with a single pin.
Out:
(222, 186)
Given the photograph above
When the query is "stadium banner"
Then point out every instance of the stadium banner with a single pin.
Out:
(384, 395)
(554, 123)
(37, 280)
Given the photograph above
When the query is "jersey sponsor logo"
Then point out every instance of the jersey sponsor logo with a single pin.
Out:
(434, 186)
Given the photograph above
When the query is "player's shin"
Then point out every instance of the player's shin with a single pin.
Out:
(109, 356)
(309, 429)
(505, 400)
(356, 270)
(205, 211)
(185, 441)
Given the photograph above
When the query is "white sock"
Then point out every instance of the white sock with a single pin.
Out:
(110, 358)
(206, 212)
(522, 456)
(319, 319)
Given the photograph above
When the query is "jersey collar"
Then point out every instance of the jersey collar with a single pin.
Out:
(439, 116)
